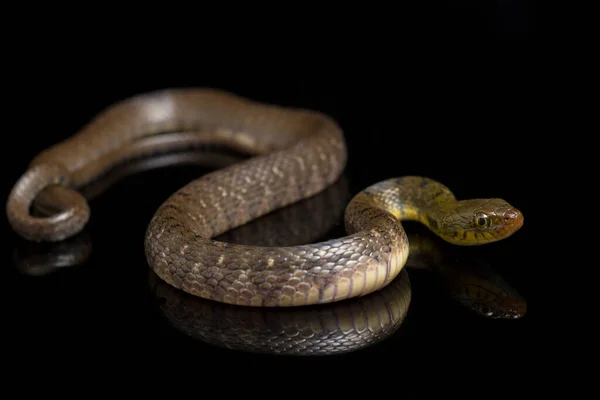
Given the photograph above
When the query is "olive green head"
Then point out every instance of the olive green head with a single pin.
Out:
(479, 221)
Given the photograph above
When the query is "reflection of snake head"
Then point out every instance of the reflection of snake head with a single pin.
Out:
(505, 308)
(469, 280)
(479, 288)
(477, 221)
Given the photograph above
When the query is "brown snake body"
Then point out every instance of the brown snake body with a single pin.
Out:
(297, 153)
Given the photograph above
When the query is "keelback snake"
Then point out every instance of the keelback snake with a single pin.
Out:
(296, 154)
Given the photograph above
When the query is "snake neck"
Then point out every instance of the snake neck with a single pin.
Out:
(411, 198)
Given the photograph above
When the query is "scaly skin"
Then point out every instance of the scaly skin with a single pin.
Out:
(335, 328)
(297, 154)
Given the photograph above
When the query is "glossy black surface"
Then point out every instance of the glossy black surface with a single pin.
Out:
(456, 113)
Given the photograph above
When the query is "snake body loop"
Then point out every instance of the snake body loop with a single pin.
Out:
(296, 154)
(58, 226)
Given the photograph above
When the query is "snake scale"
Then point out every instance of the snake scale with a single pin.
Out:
(296, 153)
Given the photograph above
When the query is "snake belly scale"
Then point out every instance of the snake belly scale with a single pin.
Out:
(296, 153)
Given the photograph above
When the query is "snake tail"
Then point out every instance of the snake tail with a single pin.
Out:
(59, 226)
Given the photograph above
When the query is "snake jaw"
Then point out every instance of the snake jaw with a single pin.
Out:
(516, 220)
(507, 222)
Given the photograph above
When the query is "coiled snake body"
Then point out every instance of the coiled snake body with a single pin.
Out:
(296, 154)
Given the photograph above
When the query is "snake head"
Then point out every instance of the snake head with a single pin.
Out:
(480, 221)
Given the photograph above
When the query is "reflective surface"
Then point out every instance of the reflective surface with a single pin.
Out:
(326, 330)
(470, 143)
(342, 327)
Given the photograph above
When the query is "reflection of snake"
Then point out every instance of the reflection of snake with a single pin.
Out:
(297, 153)
(327, 329)
(315, 330)
(469, 280)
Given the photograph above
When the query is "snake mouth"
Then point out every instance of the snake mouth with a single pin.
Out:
(515, 221)
(519, 221)
(511, 223)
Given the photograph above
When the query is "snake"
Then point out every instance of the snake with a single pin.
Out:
(294, 153)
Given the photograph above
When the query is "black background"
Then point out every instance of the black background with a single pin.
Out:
(436, 89)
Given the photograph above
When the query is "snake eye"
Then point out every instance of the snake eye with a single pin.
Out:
(482, 220)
